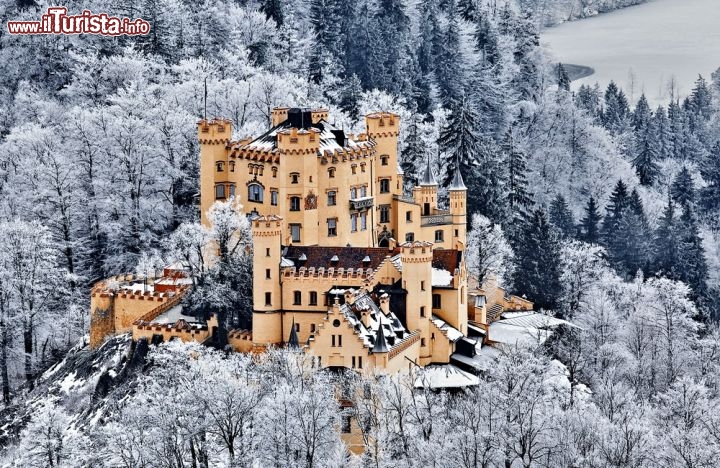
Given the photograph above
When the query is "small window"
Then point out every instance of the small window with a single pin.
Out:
(312, 328)
(385, 214)
(267, 273)
(268, 298)
(297, 297)
(273, 197)
(332, 227)
(332, 198)
(354, 168)
(439, 235)
(457, 233)
(336, 323)
(353, 193)
(353, 222)
(231, 188)
(422, 342)
(363, 221)
(363, 191)
(331, 173)
(297, 327)
(220, 166)
(294, 178)
(436, 301)
(313, 298)
(295, 232)
(408, 216)
(274, 172)
(362, 169)
(294, 203)
(353, 362)
(333, 341)
(384, 185)
(359, 362)
(422, 311)
(384, 160)
(232, 166)
(409, 237)
(267, 252)
(422, 285)
(255, 193)
(219, 191)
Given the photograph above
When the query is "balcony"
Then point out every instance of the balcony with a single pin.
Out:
(361, 203)
(436, 219)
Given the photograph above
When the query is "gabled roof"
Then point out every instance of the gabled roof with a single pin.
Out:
(379, 332)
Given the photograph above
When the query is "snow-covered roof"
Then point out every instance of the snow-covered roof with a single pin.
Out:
(445, 376)
(441, 277)
(528, 328)
(451, 332)
(392, 330)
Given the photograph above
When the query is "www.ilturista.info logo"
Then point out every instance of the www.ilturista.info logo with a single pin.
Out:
(57, 21)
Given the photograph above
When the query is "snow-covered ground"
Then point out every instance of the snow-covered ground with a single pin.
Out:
(643, 47)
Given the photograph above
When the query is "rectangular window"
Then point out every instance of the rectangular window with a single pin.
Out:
(220, 166)
(353, 222)
(297, 327)
(232, 166)
(332, 227)
(436, 301)
(294, 178)
(439, 235)
(422, 342)
(385, 214)
(268, 298)
(273, 197)
(332, 198)
(363, 191)
(353, 362)
(295, 232)
(219, 191)
(267, 252)
(297, 297)
(294, 203)
(333, 341)
(359, 362)
(267, 273)
(422, 285)
(409, 237)
(345, 426)
(312, 328)
(353, 193)
(339, 341)
(363, 221)
(408, 216)
(384, 185)
(255, 193)
(232, 190)
(422, 311)
(384, 160)
(313, 298)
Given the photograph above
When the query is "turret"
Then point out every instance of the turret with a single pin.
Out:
(458, 208)
(267, 298)
(426, 193)
(416, 258)
(214, 136)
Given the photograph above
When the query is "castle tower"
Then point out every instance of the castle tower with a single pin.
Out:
(426, 193)
(214, 135)
(267, 306)
(416, 258)
(387, 179)
(458, 208)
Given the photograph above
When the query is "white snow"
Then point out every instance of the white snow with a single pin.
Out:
(70, 382)
(452, 333)
(651, 42)
(445, 376)
(441, 277)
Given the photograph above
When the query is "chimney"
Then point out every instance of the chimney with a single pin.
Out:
(385, 303)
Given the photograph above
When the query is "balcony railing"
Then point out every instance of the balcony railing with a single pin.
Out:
(435, 219)
(361, 203)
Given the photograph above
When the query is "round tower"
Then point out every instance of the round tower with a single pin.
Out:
(416, 258)
(458, 208)
(214, 136)
(267, 306)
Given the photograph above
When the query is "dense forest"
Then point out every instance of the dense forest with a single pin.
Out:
(601, 210)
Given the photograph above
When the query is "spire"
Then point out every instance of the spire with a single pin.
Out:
(380, 343)
(457, 182)
(428, 177)
(293, 342)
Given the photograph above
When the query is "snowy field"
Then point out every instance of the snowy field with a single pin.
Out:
(644, 47)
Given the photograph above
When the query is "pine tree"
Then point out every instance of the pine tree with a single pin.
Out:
(537, 272)
(519, 198)
(682, 189)
(563, 78)
(459, 141)
(642, 115)
(590, 224)
(450, 73)
(662, 133)
(325, 64)
(635, 229)
(616, 109)
(676, 129)
(273, 9)
(701, 99)
(561, 217)
(468, 10)
(414, 153)
(646, 154)
(710, 171)
(486, 42)
(667, 243)
(692, 265)
(588, 98)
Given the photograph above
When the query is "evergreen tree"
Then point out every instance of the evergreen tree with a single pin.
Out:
(662, 133)
(701, 99)
(486, 42)
(692, 265)
(563, 78)
(682, 189)
(468, 10)
(646, 154)
(450, 73)
(625, 231)
(561, 217)
(616, 109)
(273, 9)
(325, 64)
(710, 171)
(537, 272)
(413, 154)
(519, 198)
(590, 224)
(642, 115)
(676, 120)
(350, 95)
(667, 243)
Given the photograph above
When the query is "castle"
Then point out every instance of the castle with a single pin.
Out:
(345, 265)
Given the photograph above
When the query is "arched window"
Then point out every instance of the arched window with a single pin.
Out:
(255, 193)
(220, 166)
(274, 171)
